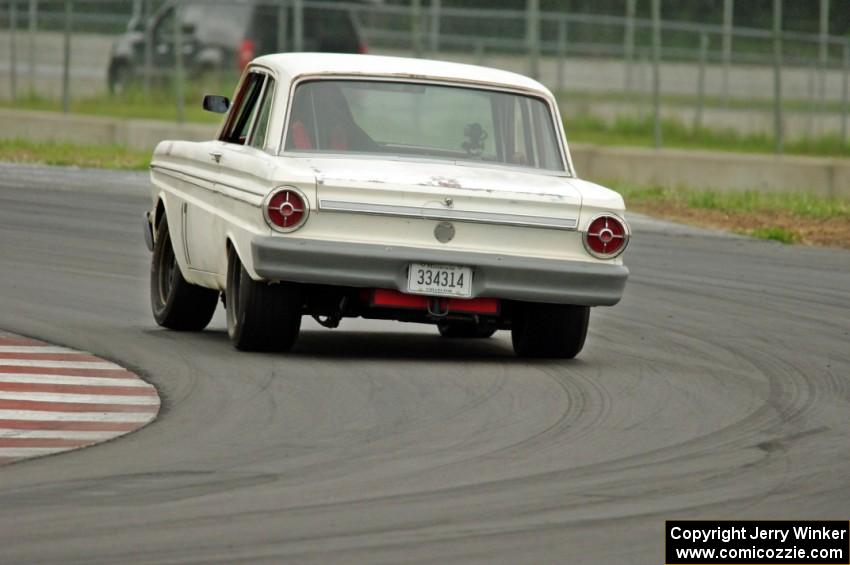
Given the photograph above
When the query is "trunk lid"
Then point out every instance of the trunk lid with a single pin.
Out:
(436, 190)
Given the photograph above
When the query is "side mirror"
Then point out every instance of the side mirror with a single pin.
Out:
(216, 103)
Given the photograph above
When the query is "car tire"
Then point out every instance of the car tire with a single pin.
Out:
(456, 329)
(176, 303)
(260, 316)
(549, 330)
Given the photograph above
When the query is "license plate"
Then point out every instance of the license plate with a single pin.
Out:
(439, 280)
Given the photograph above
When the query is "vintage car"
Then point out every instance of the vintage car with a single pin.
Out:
(386, 188)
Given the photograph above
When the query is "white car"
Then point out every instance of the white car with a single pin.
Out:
(388, 188)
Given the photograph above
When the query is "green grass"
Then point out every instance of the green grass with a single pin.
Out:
(801, 204)
(55, 153)
(781, 235)
(634, 131)
(134, 104)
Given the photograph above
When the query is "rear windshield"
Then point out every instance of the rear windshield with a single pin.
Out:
(423, 120)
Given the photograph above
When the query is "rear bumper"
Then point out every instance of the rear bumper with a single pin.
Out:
(385, 266)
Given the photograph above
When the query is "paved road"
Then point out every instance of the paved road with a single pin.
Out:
(718, 388)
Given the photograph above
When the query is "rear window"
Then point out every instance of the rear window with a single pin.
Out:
(424, 121)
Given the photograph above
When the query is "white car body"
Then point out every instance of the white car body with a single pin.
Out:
(530, 220)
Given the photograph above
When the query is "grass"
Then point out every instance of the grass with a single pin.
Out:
(70, 154)
(636, 131)
(134, 104)
(774, 233)
(786, 218)
(801, 204)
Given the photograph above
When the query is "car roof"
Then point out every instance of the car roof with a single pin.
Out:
(291, 66)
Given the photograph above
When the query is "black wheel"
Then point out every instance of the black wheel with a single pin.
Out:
(549, 330)
(458, 329)
(260, 316)
(177, 304)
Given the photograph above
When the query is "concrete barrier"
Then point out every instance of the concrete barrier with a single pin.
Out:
(135, 134)
(671, 168)
(675, 168)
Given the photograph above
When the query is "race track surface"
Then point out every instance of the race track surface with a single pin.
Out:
(718, 388)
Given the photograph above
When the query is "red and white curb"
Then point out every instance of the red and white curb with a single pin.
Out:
(55, 399)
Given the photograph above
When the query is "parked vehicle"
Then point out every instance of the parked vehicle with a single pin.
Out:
(221, 35)
(402, 189)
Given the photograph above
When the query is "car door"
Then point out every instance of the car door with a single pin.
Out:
(242, 167)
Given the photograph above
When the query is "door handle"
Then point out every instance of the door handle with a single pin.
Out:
(216, 156)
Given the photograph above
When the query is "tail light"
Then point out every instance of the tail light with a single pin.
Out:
(362, 47)
(606, 236)
(247, 48)
(285, 209)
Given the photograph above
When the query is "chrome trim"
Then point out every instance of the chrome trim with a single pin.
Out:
(472, 216)
(627, 232)
(184, 225)
(196, 180)
(271, 195)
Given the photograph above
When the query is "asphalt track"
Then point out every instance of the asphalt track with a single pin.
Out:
(718, 388)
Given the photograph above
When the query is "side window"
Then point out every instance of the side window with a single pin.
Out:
(258, 136)
(243, 110)
(526, 132)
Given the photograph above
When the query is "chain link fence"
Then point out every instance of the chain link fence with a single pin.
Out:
(93, 55)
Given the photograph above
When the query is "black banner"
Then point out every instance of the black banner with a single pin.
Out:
(759, 542)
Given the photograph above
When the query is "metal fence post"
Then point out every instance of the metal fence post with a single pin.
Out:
(178, 61)
(703, 52)
(434, 31)
(13, 56)
(148, 49)
(415, 27)
(298, 25)
(66, 58)
(728, 15)
(823, 50)
(33, 23)
(282, 25)
(777, 75)
(656, 73)
(811, 95)
(562, 51)
(845, 91)
(629, 44)
(479, 52)
(532, 36)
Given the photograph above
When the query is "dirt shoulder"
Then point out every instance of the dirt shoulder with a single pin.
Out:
(786, 226)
